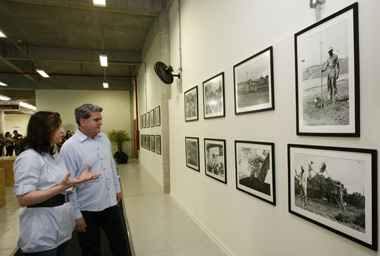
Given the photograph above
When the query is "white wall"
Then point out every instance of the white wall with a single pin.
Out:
(17, 122)
(116, 108)
(216, 35)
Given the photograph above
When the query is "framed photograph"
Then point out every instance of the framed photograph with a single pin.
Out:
(215, 159)
(152, 143)
(335, 188)
(158, 144)
(327, 76)
(144, 120)
(147, 119)
(253, 83)
(157, 116)
(143, 139)
(152, 119)
(191, 104)
(147, 140)
(141, 121)
(255, 169)
(192, 153)
(213, 97)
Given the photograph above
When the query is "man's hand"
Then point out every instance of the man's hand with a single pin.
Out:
(80, 225)
(118, 197)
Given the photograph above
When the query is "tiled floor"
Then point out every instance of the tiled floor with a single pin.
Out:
(158, 225)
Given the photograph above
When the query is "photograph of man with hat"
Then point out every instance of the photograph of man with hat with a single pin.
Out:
(332, 67)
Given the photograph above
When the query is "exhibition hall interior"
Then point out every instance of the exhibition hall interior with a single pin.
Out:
(252, 126)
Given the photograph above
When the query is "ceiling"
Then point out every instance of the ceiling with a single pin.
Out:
(65, 38)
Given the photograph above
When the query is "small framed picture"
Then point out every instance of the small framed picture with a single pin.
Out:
(147, 145)
(147, 119)
(143, 141)
(191, 104)
(192, 152)
(141, 122)
(144, 120)
(255, 169)
(335, 188)
(152, 119)
(215, 159)
(253, 83)
(327, 76)
(213, 97)
(152, 143)
(157, 115)
(158, 144)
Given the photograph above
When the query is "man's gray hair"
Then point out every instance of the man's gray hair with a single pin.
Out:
(85, 111)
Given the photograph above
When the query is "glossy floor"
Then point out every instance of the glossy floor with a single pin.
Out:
(158, 225)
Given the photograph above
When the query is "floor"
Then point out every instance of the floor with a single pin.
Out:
(158, 225)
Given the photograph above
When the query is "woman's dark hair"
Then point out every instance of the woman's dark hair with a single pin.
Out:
(40, 128)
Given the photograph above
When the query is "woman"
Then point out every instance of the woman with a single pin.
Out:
(8, 144)
(42, 184)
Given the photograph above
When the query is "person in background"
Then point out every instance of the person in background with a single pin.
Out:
(17, 140)
(2, 144)
(68, 134)
(95, 205)
(42, 185)
(8, 142)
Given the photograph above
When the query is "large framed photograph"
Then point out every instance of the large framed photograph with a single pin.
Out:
(254, 84)
(152, 119)
(213, 97)
(158, 144)
(152, 143)
(255, 169)
(192, 153)
(157, 115)
(191, 104)
(215, 159)
(335, 188)
(327, 76)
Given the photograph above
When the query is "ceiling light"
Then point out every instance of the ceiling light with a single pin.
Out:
(105, 85)
(2, 34)
(103, 60)
(100, 3)
(2, 97)
(26, 105)
(42, 73)
(2, 84)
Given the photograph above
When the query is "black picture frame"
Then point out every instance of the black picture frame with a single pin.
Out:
(147, 144)
(143, 141)
(341, 190)
(158, 144)
(191, 104)
(141, 121)
(147, 119)
(215, 159)
(152, 119)
(213, 97)
(157, 115)
(319, 111)
(152, 143)
(254, 83)
(144, 120)
(192, 153)
(255, 169)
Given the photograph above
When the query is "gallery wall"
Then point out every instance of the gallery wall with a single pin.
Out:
(216, 35)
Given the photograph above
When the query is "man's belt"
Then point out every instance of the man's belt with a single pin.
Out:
(56, 200)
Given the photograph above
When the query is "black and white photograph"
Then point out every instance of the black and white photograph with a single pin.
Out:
(327, 76)
(215, 159)
(335, 188)
(191, 104)
(143, 142)
(152, 143)
(147, 119)
(253, 83)
(141, 122)
(213, 97)
(255, 169)
(147, 140)
(157, 115)
(192, 153)
(144, 120)
(158, 144)
(152, 119)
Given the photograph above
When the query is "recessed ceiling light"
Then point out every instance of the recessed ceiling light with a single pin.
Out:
(100, 3)
(105, 85)
(103, 60)
(2, 97)
(2, 84)
(42, 73)
(2, 34)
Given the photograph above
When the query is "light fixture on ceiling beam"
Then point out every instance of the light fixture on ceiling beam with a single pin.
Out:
(103, 60)
(3, 84)
(26, 105)
(42, 73)
(105, 85)
(2, 34)
(100, 3)
(2, 97)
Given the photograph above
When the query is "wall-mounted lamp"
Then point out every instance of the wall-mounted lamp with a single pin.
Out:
(2, 34)
(42, 73)
(103, 60)
(2, 97)
(100, 3)
(105, 85)
(2, 84)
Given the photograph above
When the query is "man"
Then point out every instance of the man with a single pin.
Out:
(17, 139)
(95, 204)
(303, 185)
(332, 66)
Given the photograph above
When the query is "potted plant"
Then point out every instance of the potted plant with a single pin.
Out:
(119, 137)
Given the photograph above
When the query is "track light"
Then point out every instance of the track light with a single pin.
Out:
(2, 84)
(42, 73)
(103, 60)
(2, 34)
(105, 85)
(100, 3)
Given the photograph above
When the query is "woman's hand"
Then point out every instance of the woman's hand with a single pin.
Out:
(85, 176)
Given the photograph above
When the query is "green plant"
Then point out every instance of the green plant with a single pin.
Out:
(118, 137)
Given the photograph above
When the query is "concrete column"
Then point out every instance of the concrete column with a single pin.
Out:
(164, 37)
(2, 122)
